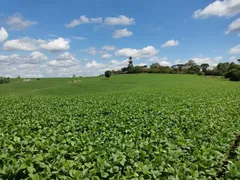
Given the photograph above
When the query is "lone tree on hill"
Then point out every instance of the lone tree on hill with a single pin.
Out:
(130, 63)
(238, 60)
(108, 74)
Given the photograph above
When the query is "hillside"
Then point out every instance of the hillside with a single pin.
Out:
(116, 84)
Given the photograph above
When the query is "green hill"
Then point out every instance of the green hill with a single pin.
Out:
(116, 84)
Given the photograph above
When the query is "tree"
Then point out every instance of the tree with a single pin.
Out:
(223, 67)
(74, 76)
(179, 67)
(192, 67)
(130, 63)
(155, 66)
(238, 60)
(108, 74)
(190, 63)
(204, 67)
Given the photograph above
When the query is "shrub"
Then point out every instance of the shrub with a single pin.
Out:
(234, 75)
(108, 74)
(4, 80)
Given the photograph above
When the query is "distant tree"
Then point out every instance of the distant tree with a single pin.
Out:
(233, 75)
(238, 60)
(130, 63)
(223, 67)
(192, 67)
(4, 80)
(155, 66)
(179, 67)
(108, 74)
(204, 67)
(124, 69)
(190, 63)
(74, 76)
(19, 77)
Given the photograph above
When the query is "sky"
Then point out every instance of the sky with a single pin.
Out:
(43, 38)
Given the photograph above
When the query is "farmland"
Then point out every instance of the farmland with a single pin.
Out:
(145, 126)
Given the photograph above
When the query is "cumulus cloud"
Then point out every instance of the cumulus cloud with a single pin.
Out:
(90, 50)
(94, 64)
(59, 44)
(34, 58)
(226, 8)
(234, 26)
(37, 56)
(18, 22)
(28, 44)
(106, 56)
(170, 43)
(201, 60)
(122, 33)
(84, 20)
(120, 20)
(162, 61)
(3, 34)
(235, 50)
(108, 48)
(96, 68)
(146, 52)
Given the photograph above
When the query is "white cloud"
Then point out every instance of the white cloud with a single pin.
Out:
(59, 44)
(201, 60)
(37, 56)
(105, 56)
(28, 44)
(235, 50)
(25, 44)
(232, 59)
(122, 33)
(170, 43)
(120, 20)
(83, 20)
(165, 63)
(162, 61)
(65, 65)
(226, 8)
(108, 48)
(96, 68)
(18, 22)
(79, 38)
(94, 64)
(90, 50)
(34, 58)
(234, 26)
(148, 51)
(3, 34)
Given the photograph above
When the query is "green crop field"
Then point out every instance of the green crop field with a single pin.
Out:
(146, 126)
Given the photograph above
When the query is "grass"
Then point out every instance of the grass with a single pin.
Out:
(116, 84)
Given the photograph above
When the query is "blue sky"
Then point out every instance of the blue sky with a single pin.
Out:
(86, 37)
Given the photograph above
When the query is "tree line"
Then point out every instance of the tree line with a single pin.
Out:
(4, 80)
(226, 69)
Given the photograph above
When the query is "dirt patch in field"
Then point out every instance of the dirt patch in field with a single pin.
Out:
(75, 81)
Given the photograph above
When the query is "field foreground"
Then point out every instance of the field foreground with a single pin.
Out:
(128, 127)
